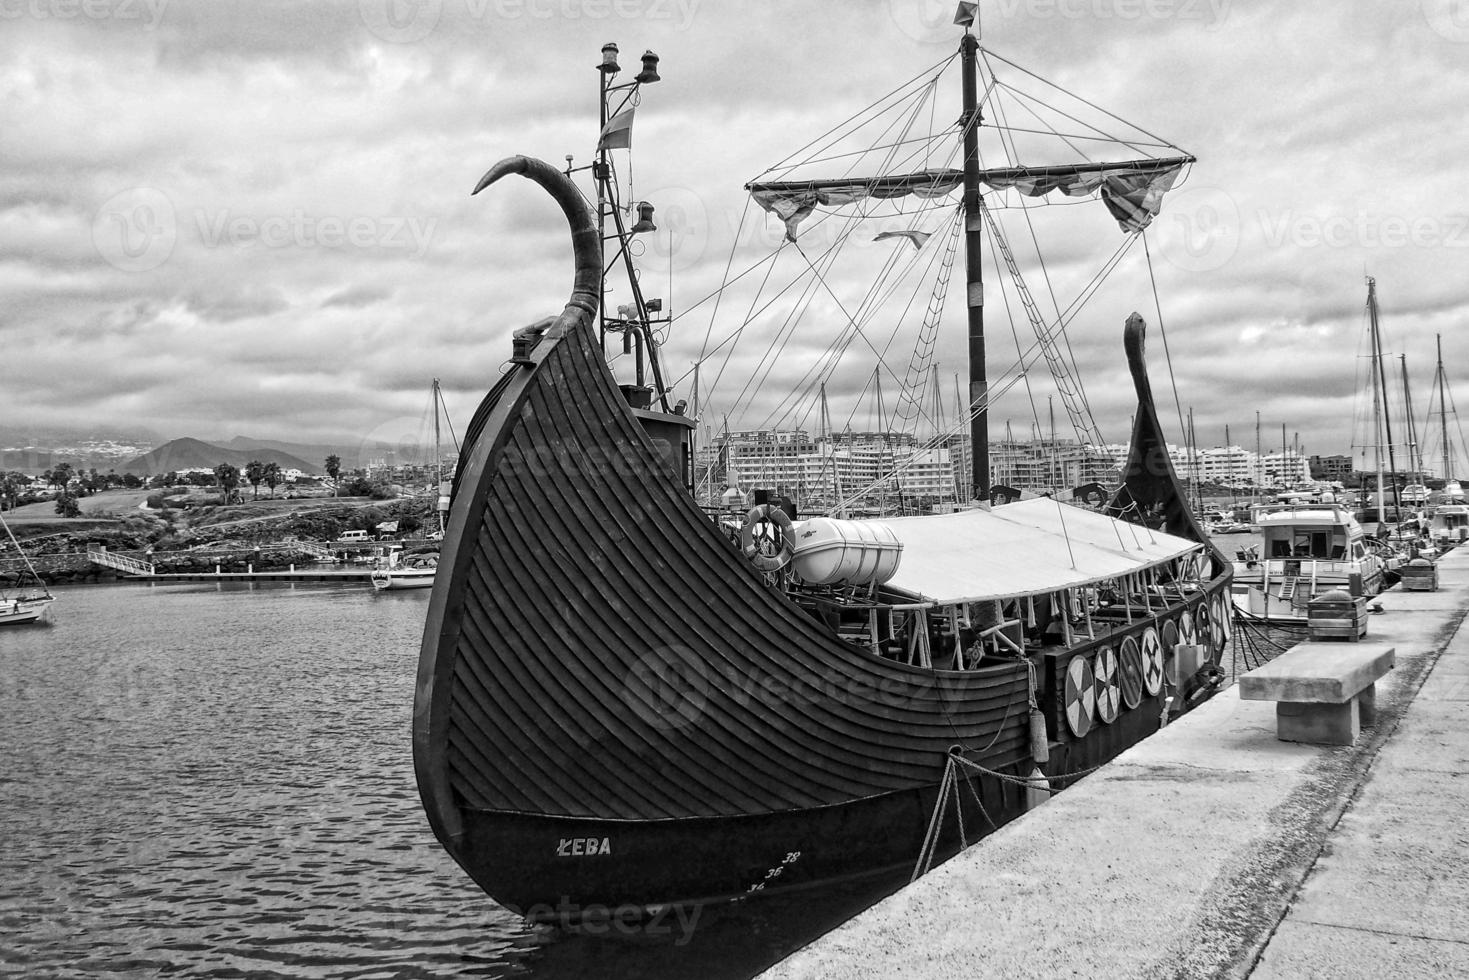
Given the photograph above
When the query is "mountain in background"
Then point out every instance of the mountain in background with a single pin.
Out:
(188, 454)
(126, 451)
(315, 453)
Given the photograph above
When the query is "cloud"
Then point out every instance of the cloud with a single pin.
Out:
(257, 215)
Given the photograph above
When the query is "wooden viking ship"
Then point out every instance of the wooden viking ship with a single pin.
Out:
(620, 704)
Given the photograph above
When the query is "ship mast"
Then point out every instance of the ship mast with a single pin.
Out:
(1379, 381)
(1415, 455)
(437, 397)
(969, 123)
(1443, 409)
(634, 320)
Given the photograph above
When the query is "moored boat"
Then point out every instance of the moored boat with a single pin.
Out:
(25, 607)
(620, 707)
(1306, 550)
(21, 604)
(396, 572)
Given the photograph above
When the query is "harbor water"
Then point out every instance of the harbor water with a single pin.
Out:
(216, 780)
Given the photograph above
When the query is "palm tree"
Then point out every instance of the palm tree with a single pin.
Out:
(272, 476)
(255, 473)
(229, 478)
(334, 470)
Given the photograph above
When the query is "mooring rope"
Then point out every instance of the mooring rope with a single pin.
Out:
(948, 784)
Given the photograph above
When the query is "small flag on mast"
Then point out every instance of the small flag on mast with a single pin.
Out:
(916, 237)
(617, 132)
(966, 14)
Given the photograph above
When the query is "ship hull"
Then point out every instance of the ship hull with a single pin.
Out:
(565, 871)
(19, 612)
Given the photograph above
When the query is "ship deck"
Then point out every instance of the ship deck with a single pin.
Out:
(1213, 849)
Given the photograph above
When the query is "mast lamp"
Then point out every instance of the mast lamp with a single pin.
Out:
(649, 74)
(645, 219)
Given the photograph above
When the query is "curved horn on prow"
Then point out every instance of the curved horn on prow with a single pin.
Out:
(586, 247)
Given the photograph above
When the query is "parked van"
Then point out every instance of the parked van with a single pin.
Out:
(350, 536)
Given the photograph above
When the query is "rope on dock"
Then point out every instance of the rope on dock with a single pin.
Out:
(949, 783)
(1257, 640)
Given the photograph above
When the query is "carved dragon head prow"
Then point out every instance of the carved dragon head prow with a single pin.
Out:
(1134, 333)
(586, 247)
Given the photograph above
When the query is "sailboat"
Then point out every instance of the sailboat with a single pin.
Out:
(399, 570)
(1449, 522)
(20, 604)
(620, 707)
(1309, 549)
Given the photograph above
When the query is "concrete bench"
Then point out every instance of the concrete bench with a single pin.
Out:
(1324, 692)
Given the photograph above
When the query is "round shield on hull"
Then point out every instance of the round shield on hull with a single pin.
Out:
(1109, 697)
(1081, 696)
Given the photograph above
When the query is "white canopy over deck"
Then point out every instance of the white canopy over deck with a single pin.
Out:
(1024, 548)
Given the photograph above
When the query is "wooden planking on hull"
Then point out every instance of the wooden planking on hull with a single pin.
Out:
(545, 656)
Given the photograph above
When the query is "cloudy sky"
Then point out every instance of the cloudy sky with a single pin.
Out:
(253, 218)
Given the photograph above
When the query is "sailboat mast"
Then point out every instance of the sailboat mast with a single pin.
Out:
(1381, 378)
(438, 462)
(969, 121)
(437, 398)
(1259, 460)
(1285, 461)
(1415, 457)
(1443, 408)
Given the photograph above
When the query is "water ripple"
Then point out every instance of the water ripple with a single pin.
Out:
(210, 781)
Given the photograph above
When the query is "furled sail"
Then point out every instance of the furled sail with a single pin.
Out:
(1133, 191)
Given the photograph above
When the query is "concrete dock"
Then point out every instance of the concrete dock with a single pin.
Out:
(1215, 850)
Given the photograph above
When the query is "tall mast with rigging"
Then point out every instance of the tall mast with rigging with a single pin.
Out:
(1415, 454)
(1379, 380)
(1443, 409)
(969, 121)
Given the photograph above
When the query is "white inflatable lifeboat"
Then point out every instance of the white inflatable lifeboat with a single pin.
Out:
(829, 551)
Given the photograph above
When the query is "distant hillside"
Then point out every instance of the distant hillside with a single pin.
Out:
(315, 452)
(188, 454)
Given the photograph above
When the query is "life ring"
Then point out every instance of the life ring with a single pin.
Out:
(1186, 632)
(1130, 673)
(767, 552)
(1081, 696)
(1152, 651)
(1109, 698)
